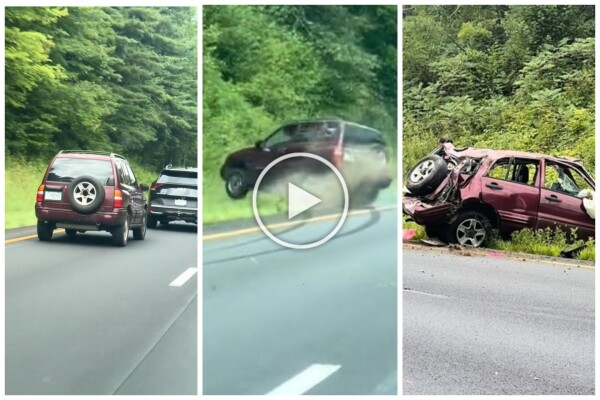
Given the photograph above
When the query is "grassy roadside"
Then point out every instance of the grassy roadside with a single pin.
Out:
(541, 242)
(22, 179)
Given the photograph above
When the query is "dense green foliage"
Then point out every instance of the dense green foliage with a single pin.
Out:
(507, 77)
(120, 79)
(265, 65)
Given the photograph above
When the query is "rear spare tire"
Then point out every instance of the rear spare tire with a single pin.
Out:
(426, 175)
(85, 194)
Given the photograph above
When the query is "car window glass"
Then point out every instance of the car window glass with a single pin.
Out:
(125, 173)
(560, 178)
(66, 169)
(283, 135)
(516, 170)
(131, 175)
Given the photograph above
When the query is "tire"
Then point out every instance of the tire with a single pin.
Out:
(470, 229)
(71, 232)
(140, 233)
(44, 231)
(236, 184)
(85, 194)
(152, 221)
(120, 234)
(426, 175)
(436, 232)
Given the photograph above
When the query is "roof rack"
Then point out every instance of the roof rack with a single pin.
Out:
(99, 153)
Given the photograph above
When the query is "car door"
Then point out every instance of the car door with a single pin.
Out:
(561, 204)
(127, 188)
(511, 186)
(139, 199)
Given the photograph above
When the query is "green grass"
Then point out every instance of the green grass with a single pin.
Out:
(218, 207)
(22, 179)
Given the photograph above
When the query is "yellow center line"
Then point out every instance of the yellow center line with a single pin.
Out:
(20, 239)
(255, 229)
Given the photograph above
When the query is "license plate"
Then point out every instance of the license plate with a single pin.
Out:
(53, 196)
(180, 202)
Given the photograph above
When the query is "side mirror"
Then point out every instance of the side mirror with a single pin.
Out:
(258, 144)
(144, 187)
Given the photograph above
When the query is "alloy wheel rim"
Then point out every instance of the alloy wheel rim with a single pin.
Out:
(126, 231)
(422, 171)
(470, 232)
(235, 183)
(84, 193)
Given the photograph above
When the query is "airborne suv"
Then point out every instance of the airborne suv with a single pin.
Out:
(460, 194)
(91, 191)
(174, 196)
(357, 151)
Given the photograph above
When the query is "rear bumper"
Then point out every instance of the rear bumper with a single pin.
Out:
(425, 214)
(96, 221)
(172, 213)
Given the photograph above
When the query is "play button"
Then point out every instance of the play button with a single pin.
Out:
(299, 200)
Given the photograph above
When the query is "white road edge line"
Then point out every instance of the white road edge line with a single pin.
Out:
(183, 278)
(305, 380)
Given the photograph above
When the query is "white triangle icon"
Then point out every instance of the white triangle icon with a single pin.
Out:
(299, 200)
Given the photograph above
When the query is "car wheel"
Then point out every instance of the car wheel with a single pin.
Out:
(120, 234)
(426, 175)
(140, 233)
(152, 221)
(71, 232)
(44, 231)
(235, 183)
(85, 194)
(437, 232)
(470, 229)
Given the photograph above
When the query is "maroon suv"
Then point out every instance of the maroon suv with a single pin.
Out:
(459, 195)
(357, 151)
(91, 191)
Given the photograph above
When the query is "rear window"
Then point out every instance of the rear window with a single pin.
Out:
(179, 178)
(361, 134)
(67, 169)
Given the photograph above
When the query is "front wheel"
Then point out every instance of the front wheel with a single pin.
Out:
(44, 231)
(236, 184)
(470, 229)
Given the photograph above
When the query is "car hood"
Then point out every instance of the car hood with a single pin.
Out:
(242, 154)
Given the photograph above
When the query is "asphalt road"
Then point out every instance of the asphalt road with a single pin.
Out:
(494, 325)
(84, 317)
(318, 321)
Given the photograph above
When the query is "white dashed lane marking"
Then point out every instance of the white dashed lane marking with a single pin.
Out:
(184, 277)
(305, 380)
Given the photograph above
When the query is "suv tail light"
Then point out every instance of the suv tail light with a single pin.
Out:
(338, 155)
(118, 199)
(40, 194)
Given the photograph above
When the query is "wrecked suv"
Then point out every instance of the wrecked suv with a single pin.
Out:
(460, 195)
(358, 152)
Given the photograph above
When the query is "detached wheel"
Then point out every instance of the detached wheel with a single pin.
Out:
(236, 184)
(140, 233)
(120, 234)
(44, 231)
(470, 229)
(427, 175)
(71, 232)
(85, 194)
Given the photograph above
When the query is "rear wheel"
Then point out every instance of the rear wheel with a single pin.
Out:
(140, 233)
(236, 184)
(470, 229)
(152, 221)
(44, 231)
(120, 234)
(71, 232)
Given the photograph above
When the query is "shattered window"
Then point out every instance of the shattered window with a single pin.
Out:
(560, 178)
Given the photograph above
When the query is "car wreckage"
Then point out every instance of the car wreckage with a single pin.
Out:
(461, 195)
